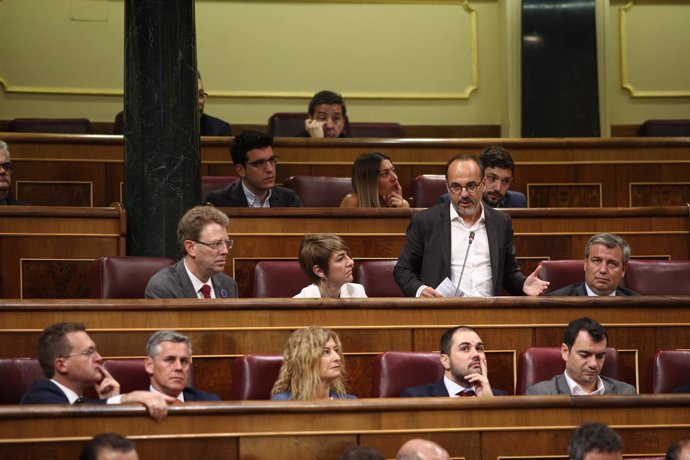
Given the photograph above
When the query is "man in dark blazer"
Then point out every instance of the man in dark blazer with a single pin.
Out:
(464, 368)
(203, 235)
(327, 116)
(169, 363)
(606, 259)
(208, 125)
(584, 352)
(70, 362)
(6, 177)
(440, 243)
(255, 163)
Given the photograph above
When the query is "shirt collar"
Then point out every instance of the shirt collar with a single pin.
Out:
(452, 387)
(577, 390)
(594, 294)
(71, 395)
(180, 397)
(454, 215)
(252, 200)
(196, 282)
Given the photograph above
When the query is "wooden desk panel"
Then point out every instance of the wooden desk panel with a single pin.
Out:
(527, 427)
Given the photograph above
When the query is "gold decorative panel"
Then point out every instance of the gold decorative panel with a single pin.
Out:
(564, 195)
(659, 193)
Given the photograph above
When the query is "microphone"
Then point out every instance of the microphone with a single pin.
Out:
(464, 262)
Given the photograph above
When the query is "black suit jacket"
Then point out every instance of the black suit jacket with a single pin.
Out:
(580, 290)
(192, 394)
(46, 392)
(233, 196)
(212, 126)
(435, 389)
(425, 258)
(9, 201)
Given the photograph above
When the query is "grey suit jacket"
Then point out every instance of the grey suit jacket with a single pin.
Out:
(559, 386)
(425, 258)
(233, 196)
(174, 283)
(580, 290)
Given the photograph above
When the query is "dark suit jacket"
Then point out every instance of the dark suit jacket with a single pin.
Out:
(682, 389)
(192, 394)
(233, 196)
(212, 126)
(511, 200)
(9, 201)
(559, 386)
(580, 290)
(435, 389)
(46, 392)
(174, 283)
(425, 258)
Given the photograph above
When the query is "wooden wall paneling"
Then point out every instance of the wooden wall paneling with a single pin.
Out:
(564, 195)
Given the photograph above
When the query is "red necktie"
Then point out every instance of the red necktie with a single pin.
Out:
(465, 393)
(206, 291)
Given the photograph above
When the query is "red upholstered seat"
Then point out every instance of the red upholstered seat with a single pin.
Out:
(124, 277)
(665, 128)
(377, 130)
(211, 183)
(658, 277)
(253, 376)
(288, 124)
(394, 371)
(130, 373)
(427, 189)
(51, 125)
(670, 370)
(279, 278)
(543, 363)
(320, 191)
(560, 273)
(377, 278)
(16, 377)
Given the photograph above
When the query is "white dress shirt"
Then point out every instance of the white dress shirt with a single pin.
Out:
(197, 283)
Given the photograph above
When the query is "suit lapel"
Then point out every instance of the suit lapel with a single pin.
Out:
(562, 385)
(446, 242)
(185, 283)
(492, 235)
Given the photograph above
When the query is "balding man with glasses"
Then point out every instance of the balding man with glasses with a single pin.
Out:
(203, 235)
(6, 177)
(255, 163)
(462, 248)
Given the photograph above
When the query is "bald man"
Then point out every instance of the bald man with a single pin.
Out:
(421, 449)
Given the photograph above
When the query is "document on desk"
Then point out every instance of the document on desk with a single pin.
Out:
(448, 289)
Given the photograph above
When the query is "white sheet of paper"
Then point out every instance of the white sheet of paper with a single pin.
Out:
(447, 289)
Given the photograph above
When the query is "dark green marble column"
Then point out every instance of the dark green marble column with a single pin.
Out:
(162, 154)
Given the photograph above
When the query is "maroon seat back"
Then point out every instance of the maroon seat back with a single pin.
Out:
(253, 376)
(211, 183)
(51, 125)
(320, 191)
(561, 273)
(665, 128)
(132, 375)
(288, 124)
(543, 363)
(658, 277)
(377, 130)
(16, 377)
(377, 278)
(124, 277)
(426, 189)
(393, 371)
(670, 370)
(279, 278)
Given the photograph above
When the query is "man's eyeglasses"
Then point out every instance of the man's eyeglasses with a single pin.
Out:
(7, 166)
(89, 352)
(260, 164)
(457, 188)
(216, 245)
(203, 94)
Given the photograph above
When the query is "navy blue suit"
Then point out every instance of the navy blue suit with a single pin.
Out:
(46, 392)
(212, 126)
(192, 394)
(580, 290)
(436, 389)
(233, 196)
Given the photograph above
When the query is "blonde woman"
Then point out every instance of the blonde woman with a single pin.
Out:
(313, 367)
(375, 182)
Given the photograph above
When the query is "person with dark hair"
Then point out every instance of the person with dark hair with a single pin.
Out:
(109, 446)
(360, 453)
(72, 366)
(606, 259)
(375, 183)
(421, 449)
(203, 236)
(208, 125)
(6, 177)
(463, 248)
(327, 112)
(169, 364)
(595, 441)
(679, 450)
(464, 368)
(584, 352)
(255, 163)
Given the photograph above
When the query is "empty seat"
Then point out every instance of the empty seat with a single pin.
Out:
(426, 189)
(51, 125)
(561, 273)
(319, 191)
(16, 377)
(377, 130)
(658, 277)
(394, 371)
(279, 278)
(211, 183)
(543, 363)
(670, 370)
(665, 128)
(124, 277)
(253, 376)
(377, 278)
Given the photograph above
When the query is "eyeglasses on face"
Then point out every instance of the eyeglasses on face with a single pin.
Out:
(89, 352)
(216, 245)
(7, 166)
(203, 94)
(457, 188)
(260, 164)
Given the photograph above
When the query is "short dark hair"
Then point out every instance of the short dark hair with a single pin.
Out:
(326, 97)
(673, 452)
(110, 441)
(495, 156)
(53, 343)
(592, 326)
(360, 453)
(593, 436)
(465, 157)
(245, 141)
(447, 338)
